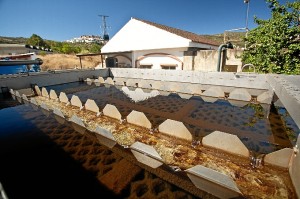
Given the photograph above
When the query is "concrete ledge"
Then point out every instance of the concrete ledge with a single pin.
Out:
(279, 158)
(176, 129)
(240, 94)
(53, 95)
(226, 142)
(45, 92)
(265, 97)
(144, 84)
(91, 106)
(63, 97)
(213, 182)
(112, 111)
(214, 91)
(195, 89)
(238, 103)
(105, 137)
(75, 101)
(58, 112)
(75, 119)
(33, 101)
(139, 119)
(146, 154)
(44, 106)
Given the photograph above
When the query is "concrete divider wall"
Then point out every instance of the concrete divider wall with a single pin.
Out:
(45, 78)
(251, 81)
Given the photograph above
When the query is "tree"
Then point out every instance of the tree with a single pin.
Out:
(36, 40)
(274, 46)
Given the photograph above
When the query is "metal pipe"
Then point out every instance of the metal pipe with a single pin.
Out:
(220, 49)
(20, 62)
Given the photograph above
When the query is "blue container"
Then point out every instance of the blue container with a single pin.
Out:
(4, 70)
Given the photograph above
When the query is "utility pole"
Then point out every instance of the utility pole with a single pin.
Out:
(104, 27)
(247, 18)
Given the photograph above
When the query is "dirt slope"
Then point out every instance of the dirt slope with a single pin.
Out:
(63, 61)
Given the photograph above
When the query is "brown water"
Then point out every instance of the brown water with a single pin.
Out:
(42, 158)
(261, 134)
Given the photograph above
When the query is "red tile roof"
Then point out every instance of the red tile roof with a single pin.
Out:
(188, 35)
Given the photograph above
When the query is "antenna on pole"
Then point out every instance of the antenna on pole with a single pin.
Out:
(104, 27)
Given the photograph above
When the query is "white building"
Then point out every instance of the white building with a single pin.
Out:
(144, 44)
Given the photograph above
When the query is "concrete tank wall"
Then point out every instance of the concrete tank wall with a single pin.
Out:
(46, 78)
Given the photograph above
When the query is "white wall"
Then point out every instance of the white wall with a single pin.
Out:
(137, 35)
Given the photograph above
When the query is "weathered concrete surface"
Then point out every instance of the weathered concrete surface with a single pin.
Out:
(176, 129)
(279, 158)
(265, 97)
(213, 182)
(58, 112)
(226, 142)
(77, 120)
(214, 91)
(45, 78)
(287, 88)
(240, 94)
(139, 119)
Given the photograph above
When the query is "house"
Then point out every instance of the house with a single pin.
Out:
(145, 44)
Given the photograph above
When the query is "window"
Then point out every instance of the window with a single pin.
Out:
(148, 66)
(168, 66)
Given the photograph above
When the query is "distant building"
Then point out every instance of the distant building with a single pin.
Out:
(145, 44)
(86, 39)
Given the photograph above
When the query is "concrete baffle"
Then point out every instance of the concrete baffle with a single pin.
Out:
(53, 95)
(213, 182)
(91, 106)
(146, 154)
(112, 111)
(226, 142)
(75, 101)
(139, 119)
(63, 97)
(176, 129)
(45, 92)
(279, 158)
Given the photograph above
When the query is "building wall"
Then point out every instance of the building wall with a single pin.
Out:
(206, 60)
(199, 60)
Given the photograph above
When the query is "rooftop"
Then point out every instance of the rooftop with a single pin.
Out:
(186, 34)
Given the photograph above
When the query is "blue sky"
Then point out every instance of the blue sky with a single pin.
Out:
(65, 19)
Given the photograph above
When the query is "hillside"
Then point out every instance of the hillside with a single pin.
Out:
(235, 37)
(12, 40)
